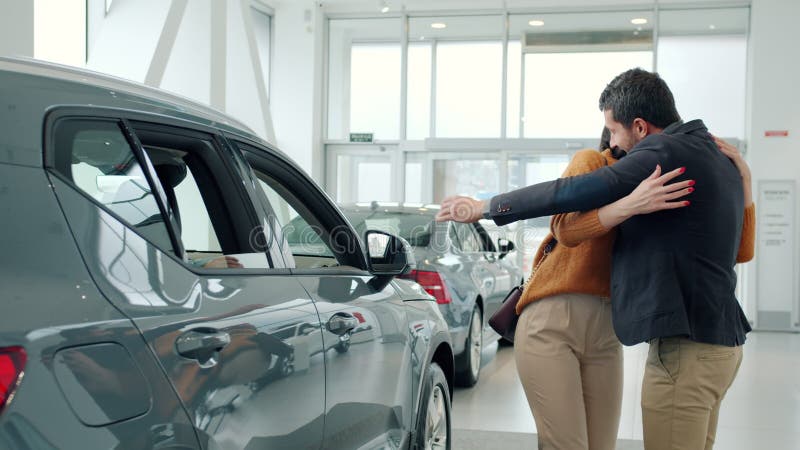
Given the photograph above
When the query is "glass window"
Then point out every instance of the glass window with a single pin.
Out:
(418, 117)
(97, 157)
(478, 178)
(375, 90)
(186, 200)
(415, 227)
(513, 89)
(568, 61)
(364, 78)
(562, 90)
(467, 238)
(468, 54)
(413, 182)
(451, 231)
(694, 48)
(525, 170)
(300, 234)
(262, 28)
(197, 204)
(468, 89)
(363, 178)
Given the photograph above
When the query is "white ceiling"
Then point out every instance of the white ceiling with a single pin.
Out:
(372, 6)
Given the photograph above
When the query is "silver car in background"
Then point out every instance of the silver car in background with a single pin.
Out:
(467, 270)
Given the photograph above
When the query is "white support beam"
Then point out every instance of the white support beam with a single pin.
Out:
(219, 53)
(255, 58)
(158, 64)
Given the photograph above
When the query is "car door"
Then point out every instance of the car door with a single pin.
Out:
(365, 331)
(475, 262)
(167, 233)
(494, 265)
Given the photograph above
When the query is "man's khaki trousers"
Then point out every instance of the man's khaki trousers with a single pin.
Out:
(683, 387)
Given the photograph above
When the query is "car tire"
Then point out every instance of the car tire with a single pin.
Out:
(434, 412)
(469, 367)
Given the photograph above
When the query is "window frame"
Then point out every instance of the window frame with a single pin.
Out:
(125, 118)
(471, 230)
(268, 161)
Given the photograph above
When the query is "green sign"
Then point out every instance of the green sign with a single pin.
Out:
(360, 137)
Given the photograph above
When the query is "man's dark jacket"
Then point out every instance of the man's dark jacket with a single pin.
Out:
(672, 272)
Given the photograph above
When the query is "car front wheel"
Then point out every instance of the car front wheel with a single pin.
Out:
(433, 427)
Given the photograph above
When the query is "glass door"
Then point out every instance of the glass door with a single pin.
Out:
(362, 173)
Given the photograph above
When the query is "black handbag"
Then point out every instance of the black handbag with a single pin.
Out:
(504, 320)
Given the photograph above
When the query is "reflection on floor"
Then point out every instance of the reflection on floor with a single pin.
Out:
(761, 411)
(504, 440)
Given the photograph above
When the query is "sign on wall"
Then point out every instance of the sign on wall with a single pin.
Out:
(776, 301)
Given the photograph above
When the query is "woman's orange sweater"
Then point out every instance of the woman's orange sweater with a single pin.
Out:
(581, 260)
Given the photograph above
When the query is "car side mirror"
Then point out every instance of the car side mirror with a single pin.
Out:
(388, 255)
(505, 247)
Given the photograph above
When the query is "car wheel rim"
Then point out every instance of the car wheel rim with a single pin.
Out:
(436, 421)
(476, 336)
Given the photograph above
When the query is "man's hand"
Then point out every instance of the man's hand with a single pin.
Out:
(460, 209)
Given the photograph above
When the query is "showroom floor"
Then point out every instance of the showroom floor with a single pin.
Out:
(761, 411)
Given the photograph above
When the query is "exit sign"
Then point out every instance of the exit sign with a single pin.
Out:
(360, 137)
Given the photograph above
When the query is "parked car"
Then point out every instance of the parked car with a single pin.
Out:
(467, 271)
(149, 299)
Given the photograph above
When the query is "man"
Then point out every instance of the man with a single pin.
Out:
(672, 281)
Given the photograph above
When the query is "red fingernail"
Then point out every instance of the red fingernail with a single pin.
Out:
(683, 169)
(691, 182)
(690, 190)
(686, 203)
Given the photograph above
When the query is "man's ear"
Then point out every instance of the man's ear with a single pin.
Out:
(640, 128)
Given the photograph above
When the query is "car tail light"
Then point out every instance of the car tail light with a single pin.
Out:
(433, 284)
(12, 363)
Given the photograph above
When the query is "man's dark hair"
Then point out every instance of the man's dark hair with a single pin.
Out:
(639, 93)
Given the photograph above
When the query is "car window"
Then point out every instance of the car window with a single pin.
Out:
(97, 157)
(451, 231)
(487, 244)
(301, 235)
(303, 225)
(467, 238)
(202, 199)
(413, 227)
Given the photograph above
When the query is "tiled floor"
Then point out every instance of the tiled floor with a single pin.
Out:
(760, 412)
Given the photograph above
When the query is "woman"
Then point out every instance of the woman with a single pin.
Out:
(568, 358)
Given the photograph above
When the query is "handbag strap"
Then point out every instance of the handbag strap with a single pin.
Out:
(548, 248)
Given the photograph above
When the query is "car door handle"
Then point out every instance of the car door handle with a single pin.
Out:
(201, 343)
(341, 323)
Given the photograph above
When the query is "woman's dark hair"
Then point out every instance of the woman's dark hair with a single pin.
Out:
(605, 139)
(605, 144)
(639, 93)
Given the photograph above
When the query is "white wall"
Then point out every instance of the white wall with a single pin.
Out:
(125, 44)
(774, 71)
(16, 28)
(296, 28)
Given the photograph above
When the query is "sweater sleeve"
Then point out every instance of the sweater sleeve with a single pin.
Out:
(748, 241)
(573, 228)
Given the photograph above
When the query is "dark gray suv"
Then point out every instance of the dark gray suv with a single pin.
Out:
(458, 264)
(149, 299)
